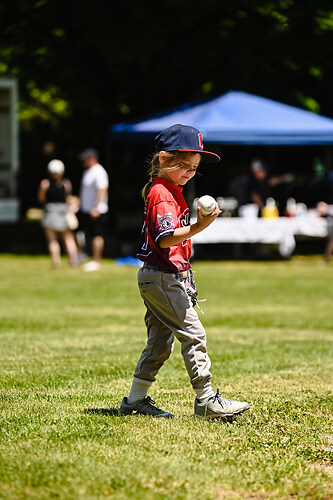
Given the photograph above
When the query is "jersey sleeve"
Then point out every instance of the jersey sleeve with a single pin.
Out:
(163, 219)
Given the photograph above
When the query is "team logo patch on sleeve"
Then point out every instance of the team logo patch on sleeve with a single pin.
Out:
(165, 221)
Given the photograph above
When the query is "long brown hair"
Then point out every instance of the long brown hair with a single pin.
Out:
(153, 172)
(155, 166)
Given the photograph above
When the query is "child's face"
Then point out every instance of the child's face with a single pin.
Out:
(180, 171)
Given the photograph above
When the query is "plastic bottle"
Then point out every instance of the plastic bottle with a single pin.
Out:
(290, 210)
(270, 210)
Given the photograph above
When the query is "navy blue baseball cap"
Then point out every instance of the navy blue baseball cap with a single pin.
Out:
(183, 138)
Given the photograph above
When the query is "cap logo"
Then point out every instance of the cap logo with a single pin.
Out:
(200, 141)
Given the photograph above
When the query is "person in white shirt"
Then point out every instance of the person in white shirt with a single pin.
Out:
(93, 205)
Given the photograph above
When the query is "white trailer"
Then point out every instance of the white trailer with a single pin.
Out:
(9, 150)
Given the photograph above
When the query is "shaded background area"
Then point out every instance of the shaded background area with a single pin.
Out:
(82, 66)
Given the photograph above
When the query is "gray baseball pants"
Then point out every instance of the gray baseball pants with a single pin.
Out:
(170, 314)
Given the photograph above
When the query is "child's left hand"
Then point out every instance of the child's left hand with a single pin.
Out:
(204, 221)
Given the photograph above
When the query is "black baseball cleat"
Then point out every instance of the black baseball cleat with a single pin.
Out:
(143, 407)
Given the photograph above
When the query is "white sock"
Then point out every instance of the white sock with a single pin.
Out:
(139, 390)
(204, 393)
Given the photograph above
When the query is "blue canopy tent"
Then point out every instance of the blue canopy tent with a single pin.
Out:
(237, 118)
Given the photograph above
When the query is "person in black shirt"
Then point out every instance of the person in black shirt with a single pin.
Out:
(260, 183)
(55, 194)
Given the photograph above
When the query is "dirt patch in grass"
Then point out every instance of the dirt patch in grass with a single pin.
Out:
(224, 494)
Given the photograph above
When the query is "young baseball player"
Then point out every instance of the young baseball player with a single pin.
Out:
(166, 281)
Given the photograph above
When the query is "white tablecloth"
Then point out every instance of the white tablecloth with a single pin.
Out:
(281, 231)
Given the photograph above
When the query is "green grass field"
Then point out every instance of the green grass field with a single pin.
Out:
(69, 342)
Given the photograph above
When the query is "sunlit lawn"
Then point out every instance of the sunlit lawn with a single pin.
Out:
(69, 342)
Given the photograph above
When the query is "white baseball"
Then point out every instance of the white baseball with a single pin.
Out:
(207, 204)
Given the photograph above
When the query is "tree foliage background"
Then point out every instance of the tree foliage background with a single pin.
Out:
(83, 65)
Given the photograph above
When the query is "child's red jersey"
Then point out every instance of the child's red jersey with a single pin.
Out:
(165, 210)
